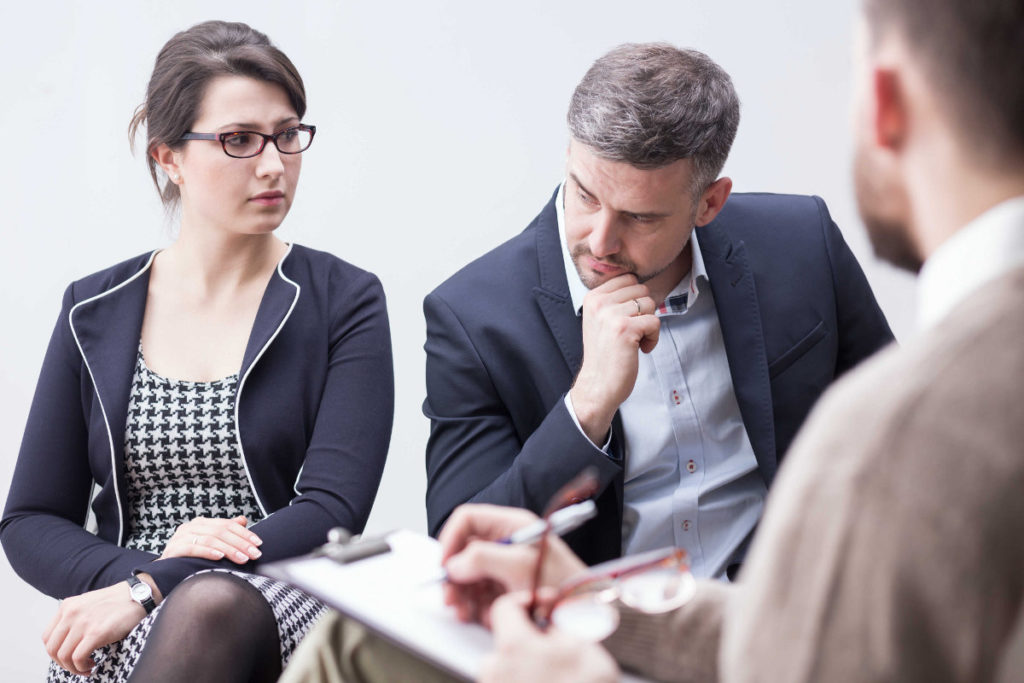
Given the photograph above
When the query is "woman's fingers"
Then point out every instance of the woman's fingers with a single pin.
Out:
(231, 539)
(89, 621)
(55, 634)
(67, 648)
(243, 539)
(81, 657)
(215, 539)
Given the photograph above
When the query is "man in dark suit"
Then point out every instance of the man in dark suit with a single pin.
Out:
(678, 362)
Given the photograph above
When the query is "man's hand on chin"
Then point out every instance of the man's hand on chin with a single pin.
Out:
(618, 319)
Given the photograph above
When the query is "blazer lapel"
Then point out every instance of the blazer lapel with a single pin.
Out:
(108, 328)
(739, 315)
(276, 306)
(552, 295)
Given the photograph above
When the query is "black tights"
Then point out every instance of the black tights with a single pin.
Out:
(214, 627)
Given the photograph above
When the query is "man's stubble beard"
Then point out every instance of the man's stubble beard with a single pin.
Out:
(581, 250)
(883, 208)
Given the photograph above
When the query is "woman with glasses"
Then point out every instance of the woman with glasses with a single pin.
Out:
(216, 404)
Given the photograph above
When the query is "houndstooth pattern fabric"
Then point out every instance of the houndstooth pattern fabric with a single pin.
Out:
(181, 462)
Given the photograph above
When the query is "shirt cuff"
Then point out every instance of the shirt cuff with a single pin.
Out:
(576, 421)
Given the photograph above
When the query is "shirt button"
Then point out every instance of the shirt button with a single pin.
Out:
(686, 525)
(691, 467)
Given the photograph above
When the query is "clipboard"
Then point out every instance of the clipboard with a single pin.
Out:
(393, 585)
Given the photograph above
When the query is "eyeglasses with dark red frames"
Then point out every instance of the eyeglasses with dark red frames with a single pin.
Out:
(242, 144)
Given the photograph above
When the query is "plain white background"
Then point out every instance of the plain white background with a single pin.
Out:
(440, 134)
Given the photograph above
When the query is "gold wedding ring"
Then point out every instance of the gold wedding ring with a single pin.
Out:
(638, 311)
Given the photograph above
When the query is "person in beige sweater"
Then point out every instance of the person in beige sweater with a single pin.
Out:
(900, 556)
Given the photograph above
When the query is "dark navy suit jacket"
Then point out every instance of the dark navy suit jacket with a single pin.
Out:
(504, 344)
(314, 407)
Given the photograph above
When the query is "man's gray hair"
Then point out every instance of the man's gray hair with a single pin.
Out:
(652, 104)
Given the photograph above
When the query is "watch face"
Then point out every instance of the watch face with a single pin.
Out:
(141, 591)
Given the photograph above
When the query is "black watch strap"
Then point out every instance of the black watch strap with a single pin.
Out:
(141, 593)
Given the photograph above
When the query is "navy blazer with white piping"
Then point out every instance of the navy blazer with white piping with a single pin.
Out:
(504, 344)
(313, 419)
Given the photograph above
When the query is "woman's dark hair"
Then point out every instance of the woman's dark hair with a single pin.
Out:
(183, 69)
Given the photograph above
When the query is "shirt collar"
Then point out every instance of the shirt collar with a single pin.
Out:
(679, 300)
(987, 247)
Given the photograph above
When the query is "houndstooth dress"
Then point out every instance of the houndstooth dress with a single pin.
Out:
(181, 462)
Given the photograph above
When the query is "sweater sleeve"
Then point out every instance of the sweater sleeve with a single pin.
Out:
(681, 645)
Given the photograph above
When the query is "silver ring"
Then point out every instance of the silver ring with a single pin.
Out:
(195, 539)
(638, 311)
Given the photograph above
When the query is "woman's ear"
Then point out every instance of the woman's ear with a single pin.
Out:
(168, 159)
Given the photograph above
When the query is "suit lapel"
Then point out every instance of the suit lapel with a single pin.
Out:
(552, 295)
(555, 302)
(739, 315)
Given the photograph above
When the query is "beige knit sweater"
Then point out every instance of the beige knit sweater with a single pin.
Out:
(892, 547)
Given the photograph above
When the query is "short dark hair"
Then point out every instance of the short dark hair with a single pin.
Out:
(185, 66)
(972, 51)
(652, 104)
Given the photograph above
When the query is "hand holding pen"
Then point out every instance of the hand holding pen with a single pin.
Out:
(488, 550)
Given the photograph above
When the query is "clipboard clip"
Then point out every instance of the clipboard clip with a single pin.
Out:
(344, 548)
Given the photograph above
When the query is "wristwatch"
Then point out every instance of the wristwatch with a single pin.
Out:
(141, 593)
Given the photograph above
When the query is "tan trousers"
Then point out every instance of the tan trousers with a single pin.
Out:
(339, 650)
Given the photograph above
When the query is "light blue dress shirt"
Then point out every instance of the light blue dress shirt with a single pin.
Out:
(691, 478)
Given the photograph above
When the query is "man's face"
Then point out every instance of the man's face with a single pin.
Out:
(621, 219)
(877, 177)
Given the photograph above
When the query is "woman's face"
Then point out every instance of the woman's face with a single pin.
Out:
(242, 196)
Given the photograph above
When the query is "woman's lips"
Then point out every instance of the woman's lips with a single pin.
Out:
(268, 198)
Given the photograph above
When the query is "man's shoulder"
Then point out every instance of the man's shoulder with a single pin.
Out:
(752, 214)
(756, 204)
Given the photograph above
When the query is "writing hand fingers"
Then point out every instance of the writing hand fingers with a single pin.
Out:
(510, 565)
(480, 521)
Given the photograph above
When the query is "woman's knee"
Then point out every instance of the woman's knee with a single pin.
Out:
(217, 598)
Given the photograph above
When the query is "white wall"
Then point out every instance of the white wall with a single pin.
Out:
(441, 134)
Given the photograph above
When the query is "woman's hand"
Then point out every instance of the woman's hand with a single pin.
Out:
(89, 621)
(214, 539)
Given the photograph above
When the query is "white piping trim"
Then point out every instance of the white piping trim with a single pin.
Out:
(241, 382)
(295, 486)
(99, 399)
